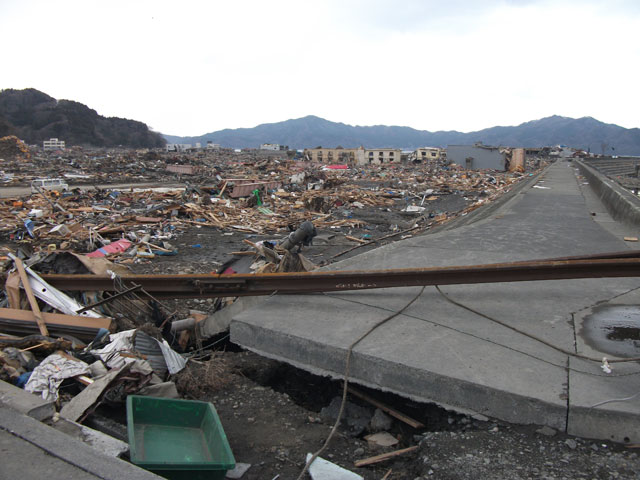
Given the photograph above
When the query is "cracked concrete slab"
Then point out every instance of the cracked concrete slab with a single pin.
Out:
(605, 405)
(496, 357)
(590, 387)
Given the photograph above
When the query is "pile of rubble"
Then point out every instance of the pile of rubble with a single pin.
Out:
(94, 166)
(54, 346)
(266, 197)
(11, 147)
(92, 348)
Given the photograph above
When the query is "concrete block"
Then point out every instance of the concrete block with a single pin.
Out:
(219, 321)
(99, 441)
(74, 454)
(604, 406)
(25, 402)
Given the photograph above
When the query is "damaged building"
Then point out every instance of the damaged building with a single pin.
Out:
(478, 157)
(485, 157)
(424, 154)
(353, 156)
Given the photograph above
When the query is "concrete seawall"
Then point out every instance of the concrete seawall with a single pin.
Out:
(621, 204)
(456, 354)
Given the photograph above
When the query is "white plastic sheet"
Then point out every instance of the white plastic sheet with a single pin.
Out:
(322, 469)
(47, 377)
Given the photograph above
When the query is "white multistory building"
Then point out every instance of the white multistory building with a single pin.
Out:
(53, 144)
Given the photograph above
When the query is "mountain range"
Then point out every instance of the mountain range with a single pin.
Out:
(307, 132)
(34, 116)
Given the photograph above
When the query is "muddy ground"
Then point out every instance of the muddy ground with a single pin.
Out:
(273, 416)
(206, 249)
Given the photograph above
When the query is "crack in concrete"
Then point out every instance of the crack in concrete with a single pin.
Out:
(568, 390)
(602, 302)
(572, 322)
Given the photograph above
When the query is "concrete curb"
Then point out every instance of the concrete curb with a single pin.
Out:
(622, 205)
(25, 402)
(68, 449)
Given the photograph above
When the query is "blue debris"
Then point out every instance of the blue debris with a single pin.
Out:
(28, 224)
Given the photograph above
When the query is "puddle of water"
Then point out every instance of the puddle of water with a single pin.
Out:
(613, 329)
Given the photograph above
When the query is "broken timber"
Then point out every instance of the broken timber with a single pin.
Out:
(219, 285)
(385, 456)
(32, 299)
(59, 324)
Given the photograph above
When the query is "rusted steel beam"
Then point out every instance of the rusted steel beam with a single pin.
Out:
(213, 285)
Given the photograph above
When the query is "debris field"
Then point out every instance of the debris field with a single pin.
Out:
(246, 212)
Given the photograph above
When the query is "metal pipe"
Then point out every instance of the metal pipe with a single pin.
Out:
(185, 324)
(302, 236)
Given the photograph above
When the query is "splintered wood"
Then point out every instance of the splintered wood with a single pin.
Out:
(385, 456)
(280, 194)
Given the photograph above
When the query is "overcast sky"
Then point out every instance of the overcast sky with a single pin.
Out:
(193, 67)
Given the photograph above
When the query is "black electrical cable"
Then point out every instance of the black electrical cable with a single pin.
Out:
(346, 380)
(563, 366)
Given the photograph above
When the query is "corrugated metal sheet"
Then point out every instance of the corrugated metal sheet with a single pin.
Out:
(173, 359)
(160, 355)
(149, 347)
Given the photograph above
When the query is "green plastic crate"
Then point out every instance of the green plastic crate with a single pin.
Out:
(177, 439)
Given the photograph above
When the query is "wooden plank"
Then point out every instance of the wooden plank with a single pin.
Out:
(32, 299)
(385, 456)
(202, 224)
(81, 209)
(83, 379)
(56, 318)
(354, 239)
(385, 408)
(32, 347)
(224, 187)
(214, 219)
(156, 247)
(148, 219)
(267, 253)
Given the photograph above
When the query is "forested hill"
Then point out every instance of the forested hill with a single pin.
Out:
(34, 116)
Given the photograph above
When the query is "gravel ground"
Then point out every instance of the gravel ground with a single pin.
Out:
(274, 414)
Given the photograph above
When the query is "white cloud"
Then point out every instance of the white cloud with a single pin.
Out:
(193, 67)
